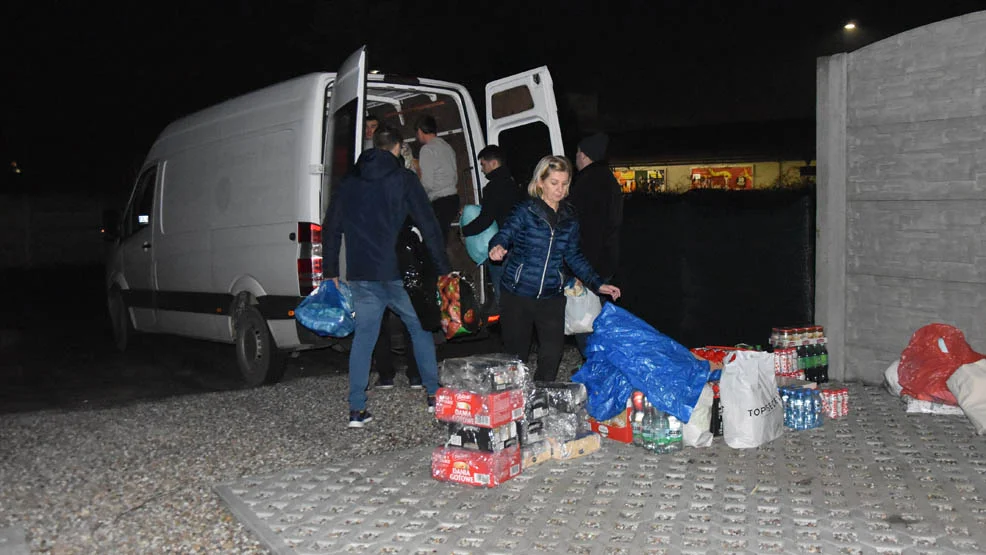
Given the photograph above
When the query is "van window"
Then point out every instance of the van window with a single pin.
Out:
(344, 141)
(511, 101)
(141, 207)
(524, 147)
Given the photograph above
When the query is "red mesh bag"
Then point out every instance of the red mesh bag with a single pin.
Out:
(930, 358)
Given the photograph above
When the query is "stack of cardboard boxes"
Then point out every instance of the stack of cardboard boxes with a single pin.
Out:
(481, 402)
(499, 422)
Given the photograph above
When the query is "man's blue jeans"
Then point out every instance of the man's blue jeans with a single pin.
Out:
(370, 299)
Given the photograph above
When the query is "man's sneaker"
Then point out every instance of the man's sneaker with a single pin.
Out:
(415, 383)
(385, 383)
(359, 417)
(431, 403)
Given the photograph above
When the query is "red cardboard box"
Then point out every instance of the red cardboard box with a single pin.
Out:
(475, 468)
(617, 428)
(489, 410)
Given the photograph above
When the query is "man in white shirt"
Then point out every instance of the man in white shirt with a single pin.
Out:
(438, 172)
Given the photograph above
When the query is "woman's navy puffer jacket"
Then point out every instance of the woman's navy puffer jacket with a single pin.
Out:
(537, 252)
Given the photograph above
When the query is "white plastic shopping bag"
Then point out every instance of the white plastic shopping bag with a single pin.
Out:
(752, 410)
(581, 308)
(696, 432)
(968, 384)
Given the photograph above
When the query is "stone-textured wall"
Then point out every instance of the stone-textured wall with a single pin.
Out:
(915, 190)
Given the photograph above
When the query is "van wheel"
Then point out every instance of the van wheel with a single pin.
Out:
(257, 357)
(123, 327)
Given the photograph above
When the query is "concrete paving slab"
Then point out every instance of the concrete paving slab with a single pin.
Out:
(13, 541)
(878, 481)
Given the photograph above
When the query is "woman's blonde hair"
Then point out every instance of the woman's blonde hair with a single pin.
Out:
(544, 168)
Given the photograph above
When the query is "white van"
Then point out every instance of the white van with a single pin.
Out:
(221, 236)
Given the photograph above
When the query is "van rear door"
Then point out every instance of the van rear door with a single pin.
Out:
(522, 118)
(343, 139)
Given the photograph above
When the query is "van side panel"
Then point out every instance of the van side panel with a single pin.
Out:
(238, 183)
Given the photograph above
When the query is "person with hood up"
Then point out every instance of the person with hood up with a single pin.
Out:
(370, 207)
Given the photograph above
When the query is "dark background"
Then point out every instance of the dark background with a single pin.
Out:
(87, 87)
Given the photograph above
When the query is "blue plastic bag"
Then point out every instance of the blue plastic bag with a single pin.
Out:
(624, 354)
(328, 311)
(478, 246)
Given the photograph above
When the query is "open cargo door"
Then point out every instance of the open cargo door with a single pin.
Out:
(522, 118)
(343, 139)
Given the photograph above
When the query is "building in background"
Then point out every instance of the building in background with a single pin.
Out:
(743, 156)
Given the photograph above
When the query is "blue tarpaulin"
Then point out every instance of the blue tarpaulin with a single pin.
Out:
(624, 354)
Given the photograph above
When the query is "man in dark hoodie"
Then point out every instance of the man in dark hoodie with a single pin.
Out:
(500, 196)
(598, 199)
(370, 207)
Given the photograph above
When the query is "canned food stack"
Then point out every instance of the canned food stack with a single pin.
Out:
(835, 401)
(482, 402)
(809, 348)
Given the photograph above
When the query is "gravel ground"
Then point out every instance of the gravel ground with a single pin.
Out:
(139, 478)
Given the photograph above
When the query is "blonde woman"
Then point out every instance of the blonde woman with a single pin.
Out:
(537, 242)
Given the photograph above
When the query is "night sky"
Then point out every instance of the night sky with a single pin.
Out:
(86, 89)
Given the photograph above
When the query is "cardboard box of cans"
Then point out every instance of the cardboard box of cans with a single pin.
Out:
(475, 468)
(535, 454)
(531, 431)
(617, 428)
(575, 448)
(491, 440)
(489, 410)
(487, 373)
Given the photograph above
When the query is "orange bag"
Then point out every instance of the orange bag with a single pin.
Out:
(460, 311)
(933, 354)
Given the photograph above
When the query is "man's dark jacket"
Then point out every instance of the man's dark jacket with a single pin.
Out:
(500, 196)
(370, 207)
(597, 198)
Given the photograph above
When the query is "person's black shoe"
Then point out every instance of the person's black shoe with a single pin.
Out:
(415, 383)
(385, 383)
(357, 418)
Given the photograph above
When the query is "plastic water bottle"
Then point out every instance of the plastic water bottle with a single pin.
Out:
(674, 434)
(637, 425)
(648, 426)
(799, 409)
(660, 432)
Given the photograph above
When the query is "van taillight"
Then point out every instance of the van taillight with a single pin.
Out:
(310, 257)
(309, 233)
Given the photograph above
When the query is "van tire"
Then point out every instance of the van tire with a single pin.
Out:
(257, 356)
(120, 322)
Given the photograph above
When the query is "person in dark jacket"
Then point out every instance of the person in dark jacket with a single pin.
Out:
(500, 196)
(538, 240)
(370, 207)
(598, 199)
